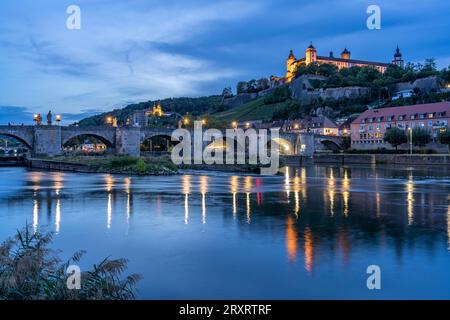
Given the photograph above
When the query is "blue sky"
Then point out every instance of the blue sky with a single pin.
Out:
(138, 50)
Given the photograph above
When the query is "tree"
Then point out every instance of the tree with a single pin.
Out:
(241, 87)
(395, 137)
(444, 137)
(420, 137)
(280, 94)
(346, 142)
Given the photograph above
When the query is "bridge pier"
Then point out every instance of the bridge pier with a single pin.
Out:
(47, 141)
(128, 141)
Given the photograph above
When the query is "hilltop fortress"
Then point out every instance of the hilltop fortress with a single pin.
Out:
(292, 63)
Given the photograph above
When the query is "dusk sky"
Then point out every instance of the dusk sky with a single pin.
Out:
(139, 50)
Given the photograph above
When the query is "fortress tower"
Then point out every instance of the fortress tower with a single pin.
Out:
(311, 54)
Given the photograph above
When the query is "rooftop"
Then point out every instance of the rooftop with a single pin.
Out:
(404, 112)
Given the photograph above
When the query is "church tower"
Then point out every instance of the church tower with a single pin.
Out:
(345, 54)
(311, 54)
(398, 61)
(290, 67)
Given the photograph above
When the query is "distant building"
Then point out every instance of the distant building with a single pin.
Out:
(344, 61)
(140, 117)
(403, 94)
(319, 125)
(369, 128)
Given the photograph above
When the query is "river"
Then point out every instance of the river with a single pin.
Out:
(308, 233)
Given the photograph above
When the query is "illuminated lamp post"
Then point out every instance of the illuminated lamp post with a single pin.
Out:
(35, 119)
(234, 125)
(58, 119)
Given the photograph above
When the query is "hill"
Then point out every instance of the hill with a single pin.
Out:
(193, 106)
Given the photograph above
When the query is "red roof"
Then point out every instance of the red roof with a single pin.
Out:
(406, 111)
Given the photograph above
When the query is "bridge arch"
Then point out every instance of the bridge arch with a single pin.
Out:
(21, 138)
(331, 145)
(103, 139)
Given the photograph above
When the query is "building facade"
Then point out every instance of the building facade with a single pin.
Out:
(344, 61)
(320, 125)
(368, 130)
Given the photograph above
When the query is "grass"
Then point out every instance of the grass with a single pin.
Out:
(30, 270)
(253, 110)
(124, 164)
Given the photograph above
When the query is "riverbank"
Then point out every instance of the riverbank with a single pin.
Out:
(394, 159)
(106, 164)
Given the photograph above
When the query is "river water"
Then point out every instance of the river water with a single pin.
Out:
(308, 233)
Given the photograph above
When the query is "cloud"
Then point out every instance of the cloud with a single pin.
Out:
(15, 114)
(129, 51)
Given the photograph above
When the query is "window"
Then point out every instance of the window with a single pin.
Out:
(412, 117)
(431, 115)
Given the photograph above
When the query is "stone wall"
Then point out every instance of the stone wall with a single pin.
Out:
(47, 140)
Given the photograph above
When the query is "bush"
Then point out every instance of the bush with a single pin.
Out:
(30, 270)
(280, 94)
(395, 137)
(420, 137)
(141, 167)
(125, 161)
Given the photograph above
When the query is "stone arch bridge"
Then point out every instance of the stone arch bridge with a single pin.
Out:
(50, 140)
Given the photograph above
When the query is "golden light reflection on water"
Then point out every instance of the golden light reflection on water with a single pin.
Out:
(410, 199)
(287, 183)
(58, 179)
(109, 184)
(203, 191)
(186, 182)
(346, 192)
(309, 249)
(234, 184)
(331, 191)
(291, 239)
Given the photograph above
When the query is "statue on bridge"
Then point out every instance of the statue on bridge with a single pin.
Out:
(49, 118)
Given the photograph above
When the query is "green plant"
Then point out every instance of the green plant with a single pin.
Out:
(395, 137)
(124, 161)
(280, 94)
(30, 270)
(141, 167)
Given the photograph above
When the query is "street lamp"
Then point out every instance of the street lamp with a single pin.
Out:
(186, 121)
(35, 118)
(410, 141)
(234, 125)
(58, 118)
(203, 121)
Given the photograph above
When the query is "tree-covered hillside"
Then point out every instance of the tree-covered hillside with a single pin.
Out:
(193, 106)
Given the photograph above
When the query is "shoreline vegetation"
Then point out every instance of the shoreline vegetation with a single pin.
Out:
(116, 164)
(31, 270)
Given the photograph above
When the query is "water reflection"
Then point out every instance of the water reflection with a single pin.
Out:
(306, 214)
